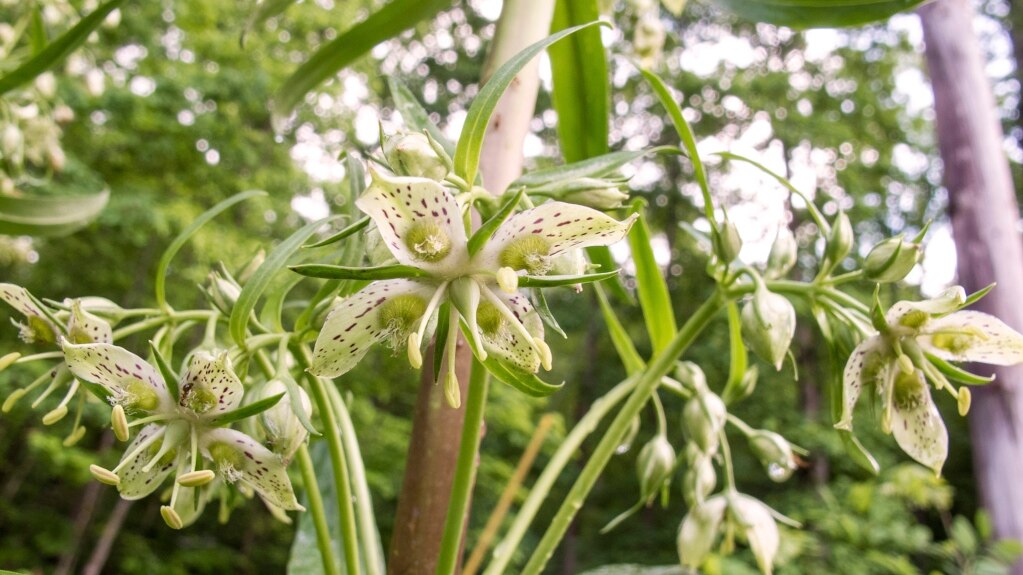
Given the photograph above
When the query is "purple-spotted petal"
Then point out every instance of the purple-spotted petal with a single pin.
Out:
(210, 386)
(131, 381)
(917, 425)
(38, 327)
(240, 458)
(356, 323)
(135, 482)
(419, 221)
(973, 336)
(868, 366)
(503, 341)
(546, 231)
(85, 327)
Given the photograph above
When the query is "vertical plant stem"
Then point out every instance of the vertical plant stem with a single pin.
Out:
(312, 489)
(646, 386)
(465, 471)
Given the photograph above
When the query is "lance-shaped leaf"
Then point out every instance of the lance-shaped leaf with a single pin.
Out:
(358, 273)
(246, 411)
(358, 226)
(49, 216)
(567, 280)
(817, 13)
(129, 378)
(527, 383)
(169, 377)
(239, 458)
(489, 227)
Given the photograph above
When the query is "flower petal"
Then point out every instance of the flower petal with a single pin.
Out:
(85, 327)
(136, 483)
(238, 457)
(917, 425)
(699, 530)
(867, 366)
(546, 231)
(129, 378)
(761, 530)
(419, 221)
(18, 298)
(506, 342)
(356, 323)
(210, 386)
(973, 336)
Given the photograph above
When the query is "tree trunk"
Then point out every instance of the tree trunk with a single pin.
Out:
(985, 220)
(437, 429)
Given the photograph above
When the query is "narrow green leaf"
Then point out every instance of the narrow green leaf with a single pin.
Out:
(441, 338)
(187, 233)
(631, 359)
(414, 114)
(956, 373)
(254, 408)
(262, 277)
(602, 258)
(37, 35)
(49, 216)
(977, 295)
(557, 281)
(739, 358)
(358, 273)
(271, 315)
(58, 49)
(169, 377)
(580, 85)
(479, 237)
(391, 20)
(817, 13)
(470, 142)
(540, 305)
(334, 238)
(527, 383)
(265, 10)
(594, 167)
(651, 288)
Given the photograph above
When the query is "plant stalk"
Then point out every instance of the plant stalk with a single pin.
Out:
(312, 488)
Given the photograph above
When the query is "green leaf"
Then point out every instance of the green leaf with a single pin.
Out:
(37, 34)
(48, 216)
(540, 305)
(580, 85)
(567, 280)
(264, 11)
(58, 49)
(262, 277)
(169, 377)
(590, 168)
(817, 13)
(527, 383)
(334, 238)
(254, 408)
(977, 295)
(441, 338)
(391, 20)
(817, 216)
(631, 359)
(470, 142)
(479, 237)
(187, 233)
(358, 273)
(956, 373)
(651, 288)
(414, 114)
(271, 313)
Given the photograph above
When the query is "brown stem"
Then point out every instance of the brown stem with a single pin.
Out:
(106, 540)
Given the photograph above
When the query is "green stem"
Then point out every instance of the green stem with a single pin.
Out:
(465, 470)
(312, 489)
(647, 385)
(158, 321)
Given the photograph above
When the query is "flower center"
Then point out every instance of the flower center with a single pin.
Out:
(956, 342)
(914, 319)
(138, 395)
(198, 398)
(489, 318)
(427, 241)
(530, 253)
(909, 390)
(399, 315)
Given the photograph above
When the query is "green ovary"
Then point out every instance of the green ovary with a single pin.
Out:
(530, 253)
(957, 343)
(914, 319)
(199, 399)
(427, 241)
(225, 456)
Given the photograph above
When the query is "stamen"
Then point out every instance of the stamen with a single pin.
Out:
(150, 419)
(171, 517)
(12, 399)
(415, 357)
(451, 390)
(119, 423)
(964, 400)
(507, 280)
(196, 478)
(56, 381)
(7, 360)
(140, 448)
(61, 410)
(77, 430)
(104, 475)
(546, 357)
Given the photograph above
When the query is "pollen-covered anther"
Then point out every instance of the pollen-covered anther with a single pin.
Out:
(171, 517)
(8, 360)
(507, 280)
(427, 241)
(55, 415)
(74, 437)
(119, 423)
(12, 399)
(104, 475)
(546, 358)
(963, 400)
(530, 253)
(415, 356)
(196, 478)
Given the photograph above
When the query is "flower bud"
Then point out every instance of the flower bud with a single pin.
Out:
(222, 290)
(841, 239)
(754, 521)
(768, 324)
(12, 144)
(648, 40)
(699, 531)
(727, 242)
(63, 114)
(412, 154)
(774, 453)
(891, 260)
(691, 376)
(285, 432)
(592, 192)
(703, 418)
(700, 478)
(654, 466)
(783, 253)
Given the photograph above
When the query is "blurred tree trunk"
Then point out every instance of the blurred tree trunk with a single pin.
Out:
(985, 222)
(437, 429)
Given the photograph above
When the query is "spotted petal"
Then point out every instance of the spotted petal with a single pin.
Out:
(868, 366)
(210, 386)
(503, 340)
(419, 221)
(917, 425)
(238, 457)
(973, 336)
(356, 323)
(548, 230)
(130, 380)
(19, 298)
(85, 327)
(135, 482)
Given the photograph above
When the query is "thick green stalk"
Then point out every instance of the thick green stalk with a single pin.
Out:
(647, 385)
(312, 489)
(568, 449)
(465, 471)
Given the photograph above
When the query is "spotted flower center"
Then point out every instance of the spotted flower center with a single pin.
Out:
(489, 318)
(530, 253)
(427, 241)
(398, 317)
(197, 398)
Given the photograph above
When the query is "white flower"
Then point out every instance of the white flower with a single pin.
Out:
(898, 363)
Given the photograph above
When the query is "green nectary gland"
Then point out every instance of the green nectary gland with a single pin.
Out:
(530, 253)
(909, 390)
(914, 319)
(41, 329)
(427, 241)
(399, 314)
(489, 318)
(957, 343)
(225, 456)
(197, 398)
(141, 396)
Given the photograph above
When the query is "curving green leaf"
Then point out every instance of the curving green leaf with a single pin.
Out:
(817, 13)
(254, 408)
(357, 273)
(49, 216)
(389, 21)
(528, 383)
(57, 50)
(470, 142)
(169, 377)
(651, 288)
(264, 11)
(344, 233)
(479, 237)
(631, 359)
(564, 280)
